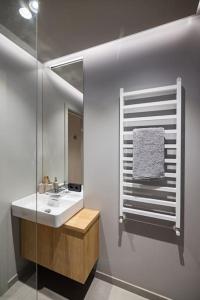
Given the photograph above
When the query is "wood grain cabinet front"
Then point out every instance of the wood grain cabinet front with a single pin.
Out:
(71, 250)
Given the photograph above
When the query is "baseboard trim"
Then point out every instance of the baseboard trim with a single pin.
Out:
(22, 275)
(12, 280)
(130, 287)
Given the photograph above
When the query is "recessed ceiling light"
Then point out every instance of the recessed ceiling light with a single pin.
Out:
(34, 6)
(25, 13)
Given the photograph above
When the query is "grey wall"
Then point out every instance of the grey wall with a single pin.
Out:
(148, 256)
(18, 88)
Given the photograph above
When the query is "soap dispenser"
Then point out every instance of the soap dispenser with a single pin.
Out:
(55, 185)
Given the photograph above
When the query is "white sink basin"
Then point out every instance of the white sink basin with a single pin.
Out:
(48, 209)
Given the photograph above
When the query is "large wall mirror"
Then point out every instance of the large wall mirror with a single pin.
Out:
(62, 123)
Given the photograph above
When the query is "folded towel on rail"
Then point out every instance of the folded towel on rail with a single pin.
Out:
(148, 153)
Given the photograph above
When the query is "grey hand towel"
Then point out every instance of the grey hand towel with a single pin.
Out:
(148, 153)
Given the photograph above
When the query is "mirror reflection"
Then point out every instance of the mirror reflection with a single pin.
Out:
(62, 127)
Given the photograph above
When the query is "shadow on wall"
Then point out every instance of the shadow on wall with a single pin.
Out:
(159, 229)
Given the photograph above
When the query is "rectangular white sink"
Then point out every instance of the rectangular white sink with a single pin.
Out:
(50, 210)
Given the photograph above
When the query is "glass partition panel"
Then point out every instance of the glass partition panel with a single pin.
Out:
(18, 150)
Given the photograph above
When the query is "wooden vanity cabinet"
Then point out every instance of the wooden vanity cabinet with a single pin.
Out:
(71, 250)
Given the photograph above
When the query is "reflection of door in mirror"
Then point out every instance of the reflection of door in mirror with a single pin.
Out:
(75, 146)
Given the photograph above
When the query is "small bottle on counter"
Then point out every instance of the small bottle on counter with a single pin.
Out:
(47, 184)
(48, 187)
(41, 188)
(55, 185)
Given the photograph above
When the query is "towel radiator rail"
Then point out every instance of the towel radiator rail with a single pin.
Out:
(143, 106)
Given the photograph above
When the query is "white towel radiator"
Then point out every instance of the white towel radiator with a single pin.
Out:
(159, 106)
